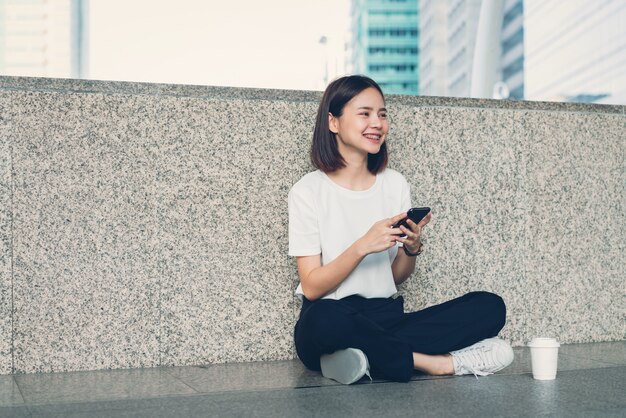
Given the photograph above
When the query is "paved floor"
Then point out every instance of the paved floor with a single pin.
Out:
(591, 382)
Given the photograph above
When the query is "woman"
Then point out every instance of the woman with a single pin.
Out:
(341, 220)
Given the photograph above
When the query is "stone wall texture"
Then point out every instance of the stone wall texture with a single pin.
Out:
(144, 225)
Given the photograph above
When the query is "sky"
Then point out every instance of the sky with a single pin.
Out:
(239, 43)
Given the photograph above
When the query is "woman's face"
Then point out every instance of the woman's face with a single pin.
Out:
(363, 126)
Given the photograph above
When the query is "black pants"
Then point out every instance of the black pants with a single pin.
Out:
(388, 336)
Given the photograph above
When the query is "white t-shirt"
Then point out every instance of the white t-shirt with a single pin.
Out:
(327, 218)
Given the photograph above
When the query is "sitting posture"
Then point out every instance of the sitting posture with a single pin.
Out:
(352, 253)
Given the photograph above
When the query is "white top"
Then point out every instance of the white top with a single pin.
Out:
(327, 218)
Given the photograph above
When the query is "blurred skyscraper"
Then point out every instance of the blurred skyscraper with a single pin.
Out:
(385, 43)
(462, 20)
(44, 38)
(512, 63)
(550, 49)
(575, 50)
(433, 48)
(448, 39)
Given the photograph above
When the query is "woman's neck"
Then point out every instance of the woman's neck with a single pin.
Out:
(353, 177)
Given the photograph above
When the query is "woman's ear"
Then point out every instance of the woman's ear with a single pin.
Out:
(332, 123)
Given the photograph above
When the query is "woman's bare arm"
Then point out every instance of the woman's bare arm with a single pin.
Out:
(403, 265)
(318, 280)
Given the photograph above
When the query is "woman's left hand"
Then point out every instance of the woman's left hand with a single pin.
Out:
(412, 241)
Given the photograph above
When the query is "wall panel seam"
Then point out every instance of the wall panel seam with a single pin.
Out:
(12, 246)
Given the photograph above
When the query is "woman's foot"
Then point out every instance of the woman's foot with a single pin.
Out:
(434, 365)
(483, 358)
(345, 366)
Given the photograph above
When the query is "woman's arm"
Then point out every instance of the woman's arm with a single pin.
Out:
(318, 280)
(403, 265)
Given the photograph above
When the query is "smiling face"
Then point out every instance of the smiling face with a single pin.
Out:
(363, 126)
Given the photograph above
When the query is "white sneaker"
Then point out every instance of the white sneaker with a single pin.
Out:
(345, 366)
(483, 358)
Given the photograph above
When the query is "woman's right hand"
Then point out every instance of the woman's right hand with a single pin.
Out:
(381, 235)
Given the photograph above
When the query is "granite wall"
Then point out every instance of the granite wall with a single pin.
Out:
(145, 225)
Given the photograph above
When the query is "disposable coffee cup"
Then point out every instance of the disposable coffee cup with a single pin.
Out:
(544, 356)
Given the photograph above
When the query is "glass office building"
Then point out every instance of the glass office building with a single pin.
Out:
(512, 43)
(549, 49)
(385, 43)
(448, 30)
(447, 40)
(575, 50)
(462, 23)
(433, 47)
(43, 38)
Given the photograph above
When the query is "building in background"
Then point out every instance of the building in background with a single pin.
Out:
(575, 50)
(461, 23)
(448, 31)
(551, 50)
(447, 38)
(44, 38)
(433, 47)
(512, 54)
(334, 60)
(385, 43)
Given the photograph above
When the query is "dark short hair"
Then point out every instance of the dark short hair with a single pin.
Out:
(325, 154)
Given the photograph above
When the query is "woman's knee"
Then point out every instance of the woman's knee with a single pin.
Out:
(493, 306)
(325, 320)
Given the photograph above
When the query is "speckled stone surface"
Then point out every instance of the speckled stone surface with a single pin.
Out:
(6, 302)
(469, 169)
(220, 93)
(529, 205)
(86, 288)
(148, 223)
(576, 228)
(221, 221)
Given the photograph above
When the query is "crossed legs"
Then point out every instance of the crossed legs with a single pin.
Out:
(394, 342)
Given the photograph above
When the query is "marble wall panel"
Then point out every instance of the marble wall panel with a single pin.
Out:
(7, 113)
(223, 173)
(529, 205)
(468, 166)
(85, 290)
(150, 227)
(576, 226)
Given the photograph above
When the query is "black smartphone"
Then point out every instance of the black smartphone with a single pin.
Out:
(415, 214)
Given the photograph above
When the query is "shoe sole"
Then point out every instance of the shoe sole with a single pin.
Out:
(345, 366)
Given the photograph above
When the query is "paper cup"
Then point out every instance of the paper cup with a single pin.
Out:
(544, 354)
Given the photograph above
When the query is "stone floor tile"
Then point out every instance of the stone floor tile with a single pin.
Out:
(98, 385)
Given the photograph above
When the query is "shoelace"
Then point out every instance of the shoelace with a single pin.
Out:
(367, 369)
(472, 361)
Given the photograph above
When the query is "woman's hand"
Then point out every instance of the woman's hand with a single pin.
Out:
(381, 235)
(413, 241)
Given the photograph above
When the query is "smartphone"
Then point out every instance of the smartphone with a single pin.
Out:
(415, 214)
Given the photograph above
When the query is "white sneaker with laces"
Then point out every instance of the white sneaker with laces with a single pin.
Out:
(483, 358)
(345, 366)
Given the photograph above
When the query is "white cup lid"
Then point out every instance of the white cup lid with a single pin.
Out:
(544, 342)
